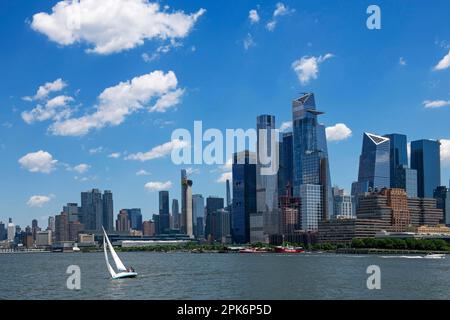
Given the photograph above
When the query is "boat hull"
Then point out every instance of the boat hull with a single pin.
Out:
(125, 275)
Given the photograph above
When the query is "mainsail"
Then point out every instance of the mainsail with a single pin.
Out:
(110, 269)
(120, 266)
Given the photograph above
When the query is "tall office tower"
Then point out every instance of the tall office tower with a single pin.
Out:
(228, 193)
(213, 204)
(266, 184)
(442, 196)
(73, 211)
(198, 214)
(312, 178)
(123, 222)
(11, 230)
(164, 212)
(244, 194)
(62, 227)
(156, 221)
(401, 175)
(186, 205)
(51, 224)
(34, 228)
(92, 210)
(374, 168)
(286, 158)
(425, 158)
(135, 217)
(2, 231)
(175, 214)
(108, 211)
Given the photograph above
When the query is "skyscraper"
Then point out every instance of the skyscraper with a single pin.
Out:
(11, 230)
(228, 193)
(425, 158)
(213, 204)
(311, 166)
(186, 205)
(401, 176)
(51, 224)
(286, 171)
(92, 210)
(198, 212)
(135, 217)
(108, 211)
(244, 194)
(266, 185)
(3, 234)
(374, 164)
(175, 214)
(164, 212)
(123, 222)
(442, 196)
(73, 211)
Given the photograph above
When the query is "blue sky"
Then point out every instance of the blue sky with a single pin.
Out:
(226, 70)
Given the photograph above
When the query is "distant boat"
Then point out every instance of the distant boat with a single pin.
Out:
(289, 249)
(253, 250)
(123, 272)
(435, 256)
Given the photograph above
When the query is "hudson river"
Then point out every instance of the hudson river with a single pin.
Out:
(224, 276)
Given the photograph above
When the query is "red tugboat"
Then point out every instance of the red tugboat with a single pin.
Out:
(289, 249)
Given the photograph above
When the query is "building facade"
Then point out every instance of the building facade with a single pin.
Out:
(425, 158)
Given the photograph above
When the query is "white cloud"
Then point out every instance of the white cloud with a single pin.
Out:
(158, 186)
(159, 151)
(224, 177)
(190, 171)
(338, 132)
(307, 68)
(402, 61)
(253, 16)
(82, 168)
(114, 155)
(40, 161)
(143, 172)
(444, 63)
(429, 104)
(285, 126)
(445, 152)
(47, 88)
(167, 101)
(114, 25)
(118, 102)
(248, 42)
(96, 150)
(38, 201)
(56, 109)
(280, 10)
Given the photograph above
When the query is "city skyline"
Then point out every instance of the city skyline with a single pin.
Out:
(398, 88)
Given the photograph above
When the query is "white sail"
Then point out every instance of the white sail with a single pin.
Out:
(110, 269)
(120, 266)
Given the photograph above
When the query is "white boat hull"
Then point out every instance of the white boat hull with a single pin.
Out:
(124, 275)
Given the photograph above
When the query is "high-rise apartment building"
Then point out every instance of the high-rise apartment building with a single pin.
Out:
(164, 211)
(425, 158)
(186, 205)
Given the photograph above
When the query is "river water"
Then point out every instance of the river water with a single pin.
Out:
(224, 276)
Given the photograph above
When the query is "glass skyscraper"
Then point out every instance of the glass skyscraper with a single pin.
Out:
(374, 164)
(244, 194)
(108, 211)
(425, 158)
(198, 212)
(164, 214)
(286, 171)
(92, 210)
(310, 154)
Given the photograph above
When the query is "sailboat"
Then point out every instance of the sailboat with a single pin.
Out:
(123, 272)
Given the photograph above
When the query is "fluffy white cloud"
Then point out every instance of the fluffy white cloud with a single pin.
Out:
(307, 68)
(96, 150)
(158, 151)
(249, 42)
(114, 25)
(82, 168)
(280, 10)
(190, 171)
(402, 61)
(118, 102)
(114, 155)
(40, 161)
(224, 177)
(38, 201)
(253, 16)
(338, 132)
(445, 152)
(47, 88)
(285, 126)
(444, 63)
(56, 109)
(429, 104)
(143, 172)
(158, 186)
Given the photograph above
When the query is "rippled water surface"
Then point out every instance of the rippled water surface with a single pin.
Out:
(224, 276)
